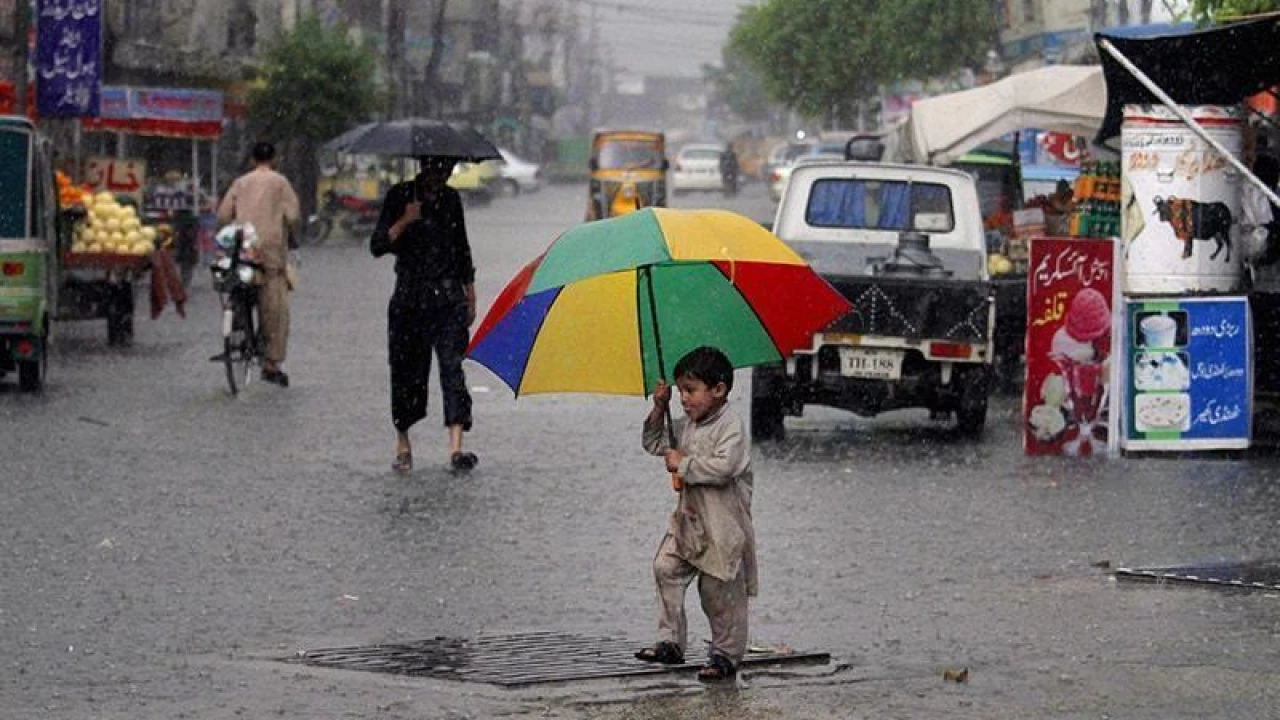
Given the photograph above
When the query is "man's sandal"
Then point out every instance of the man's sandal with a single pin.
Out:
(717, 669)
(665, 652)
(463, 461)
(403, 462)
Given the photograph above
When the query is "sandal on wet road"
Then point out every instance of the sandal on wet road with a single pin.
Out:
(717, 669)
(667, 653)
(463, 461)
(403, 462)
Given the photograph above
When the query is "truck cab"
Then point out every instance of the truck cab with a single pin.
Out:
(905, 245)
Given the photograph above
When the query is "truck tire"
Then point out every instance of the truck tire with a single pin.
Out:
(767, 407)
(972, 386)
(766, 419)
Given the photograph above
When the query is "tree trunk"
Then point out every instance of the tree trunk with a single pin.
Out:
(1122, 12)
(430, 80)
(303, 171)
(1144, 10)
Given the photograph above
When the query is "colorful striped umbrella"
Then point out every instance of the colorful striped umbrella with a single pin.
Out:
(613, 304)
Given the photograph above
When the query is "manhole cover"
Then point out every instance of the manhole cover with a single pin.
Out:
(1261, 575)
(520, 659)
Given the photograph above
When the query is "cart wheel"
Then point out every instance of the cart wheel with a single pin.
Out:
(119, 328)
(120, 315)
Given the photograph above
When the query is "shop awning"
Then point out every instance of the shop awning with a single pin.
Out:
(1222, 65)
(1063, 98)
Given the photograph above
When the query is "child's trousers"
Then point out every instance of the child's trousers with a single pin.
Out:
(725, 603)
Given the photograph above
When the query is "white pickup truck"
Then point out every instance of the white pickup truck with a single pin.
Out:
(905, 245)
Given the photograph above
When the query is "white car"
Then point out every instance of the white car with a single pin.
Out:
(519, 175)
(810, 152)
(697, 167)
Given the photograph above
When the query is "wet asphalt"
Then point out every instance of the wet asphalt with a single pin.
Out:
(163, 545)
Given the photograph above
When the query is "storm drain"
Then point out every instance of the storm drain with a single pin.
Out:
(521, 659)
(1264, 575)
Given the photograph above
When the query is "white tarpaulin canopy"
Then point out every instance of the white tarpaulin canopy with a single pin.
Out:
(1069, 99)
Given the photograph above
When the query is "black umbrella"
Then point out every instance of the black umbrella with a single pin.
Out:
(415, 137)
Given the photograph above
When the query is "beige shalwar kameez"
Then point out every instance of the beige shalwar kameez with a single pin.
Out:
(263, 198)
(711, 535)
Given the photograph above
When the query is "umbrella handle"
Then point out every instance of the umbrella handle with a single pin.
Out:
(676, 483)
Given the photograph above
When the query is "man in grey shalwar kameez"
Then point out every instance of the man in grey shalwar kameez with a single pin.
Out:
(710, 535)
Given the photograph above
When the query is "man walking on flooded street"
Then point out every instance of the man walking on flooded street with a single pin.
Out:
(263, 198)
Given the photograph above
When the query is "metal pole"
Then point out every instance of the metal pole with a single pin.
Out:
(195, 175)
(1186, 118)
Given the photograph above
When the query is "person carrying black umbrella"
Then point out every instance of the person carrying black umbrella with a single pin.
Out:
(432, 306)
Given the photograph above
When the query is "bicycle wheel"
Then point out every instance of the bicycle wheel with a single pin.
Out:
(229, 348)
(250, 349)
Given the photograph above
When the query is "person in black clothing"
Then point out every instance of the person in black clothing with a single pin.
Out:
(729, 170)
(433, 305)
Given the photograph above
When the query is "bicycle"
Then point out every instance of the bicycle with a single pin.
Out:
(235, 280)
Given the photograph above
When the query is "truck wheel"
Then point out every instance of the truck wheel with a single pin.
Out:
(971, 410)
(766, 419)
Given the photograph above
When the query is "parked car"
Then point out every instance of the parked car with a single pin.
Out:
(697, 168)
(519, 175)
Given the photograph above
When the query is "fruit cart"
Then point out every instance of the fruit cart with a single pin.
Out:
(104, 249)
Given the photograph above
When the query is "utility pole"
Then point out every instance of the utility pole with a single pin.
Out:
(393, 21)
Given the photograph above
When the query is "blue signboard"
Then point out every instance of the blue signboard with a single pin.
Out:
(68, 57)
(1190, 373)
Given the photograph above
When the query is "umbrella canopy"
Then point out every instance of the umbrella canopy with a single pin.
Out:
(612, 304)
(415, 137)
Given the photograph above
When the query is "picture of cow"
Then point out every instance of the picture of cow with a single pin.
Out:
(1193, 220)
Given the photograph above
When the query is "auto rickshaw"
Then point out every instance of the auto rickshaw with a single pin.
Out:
(28, 242)
(628, 172)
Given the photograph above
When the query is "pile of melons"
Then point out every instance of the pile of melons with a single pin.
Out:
(109, 227)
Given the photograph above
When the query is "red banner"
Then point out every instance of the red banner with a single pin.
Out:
(1071, 320)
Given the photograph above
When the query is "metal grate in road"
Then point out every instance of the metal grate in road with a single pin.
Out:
(519, 659)
(1261, 575)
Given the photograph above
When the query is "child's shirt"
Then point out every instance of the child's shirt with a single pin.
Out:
(712, 521)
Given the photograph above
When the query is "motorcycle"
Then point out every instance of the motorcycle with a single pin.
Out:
(355, 216)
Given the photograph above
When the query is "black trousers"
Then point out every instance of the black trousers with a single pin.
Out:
(415, 329)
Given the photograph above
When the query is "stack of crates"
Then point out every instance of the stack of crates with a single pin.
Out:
(1096, 199)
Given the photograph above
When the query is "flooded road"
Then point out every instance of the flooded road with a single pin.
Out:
(162, 545)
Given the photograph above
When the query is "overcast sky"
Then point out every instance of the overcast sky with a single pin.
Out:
(661, 37)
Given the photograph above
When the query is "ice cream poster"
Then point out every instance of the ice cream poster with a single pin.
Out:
(1188, 374)
(1071, 323)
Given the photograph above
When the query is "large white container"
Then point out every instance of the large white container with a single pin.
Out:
(1180, 201)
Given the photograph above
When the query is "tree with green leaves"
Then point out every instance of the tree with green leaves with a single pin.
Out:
(1206, 11)
(314, 84)
(823, 57)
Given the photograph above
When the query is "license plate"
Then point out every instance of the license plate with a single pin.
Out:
(872, 364)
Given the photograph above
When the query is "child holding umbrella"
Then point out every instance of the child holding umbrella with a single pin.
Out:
(710, 536)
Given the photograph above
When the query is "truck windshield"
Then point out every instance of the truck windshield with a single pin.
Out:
(855, 203)
(630, 155)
